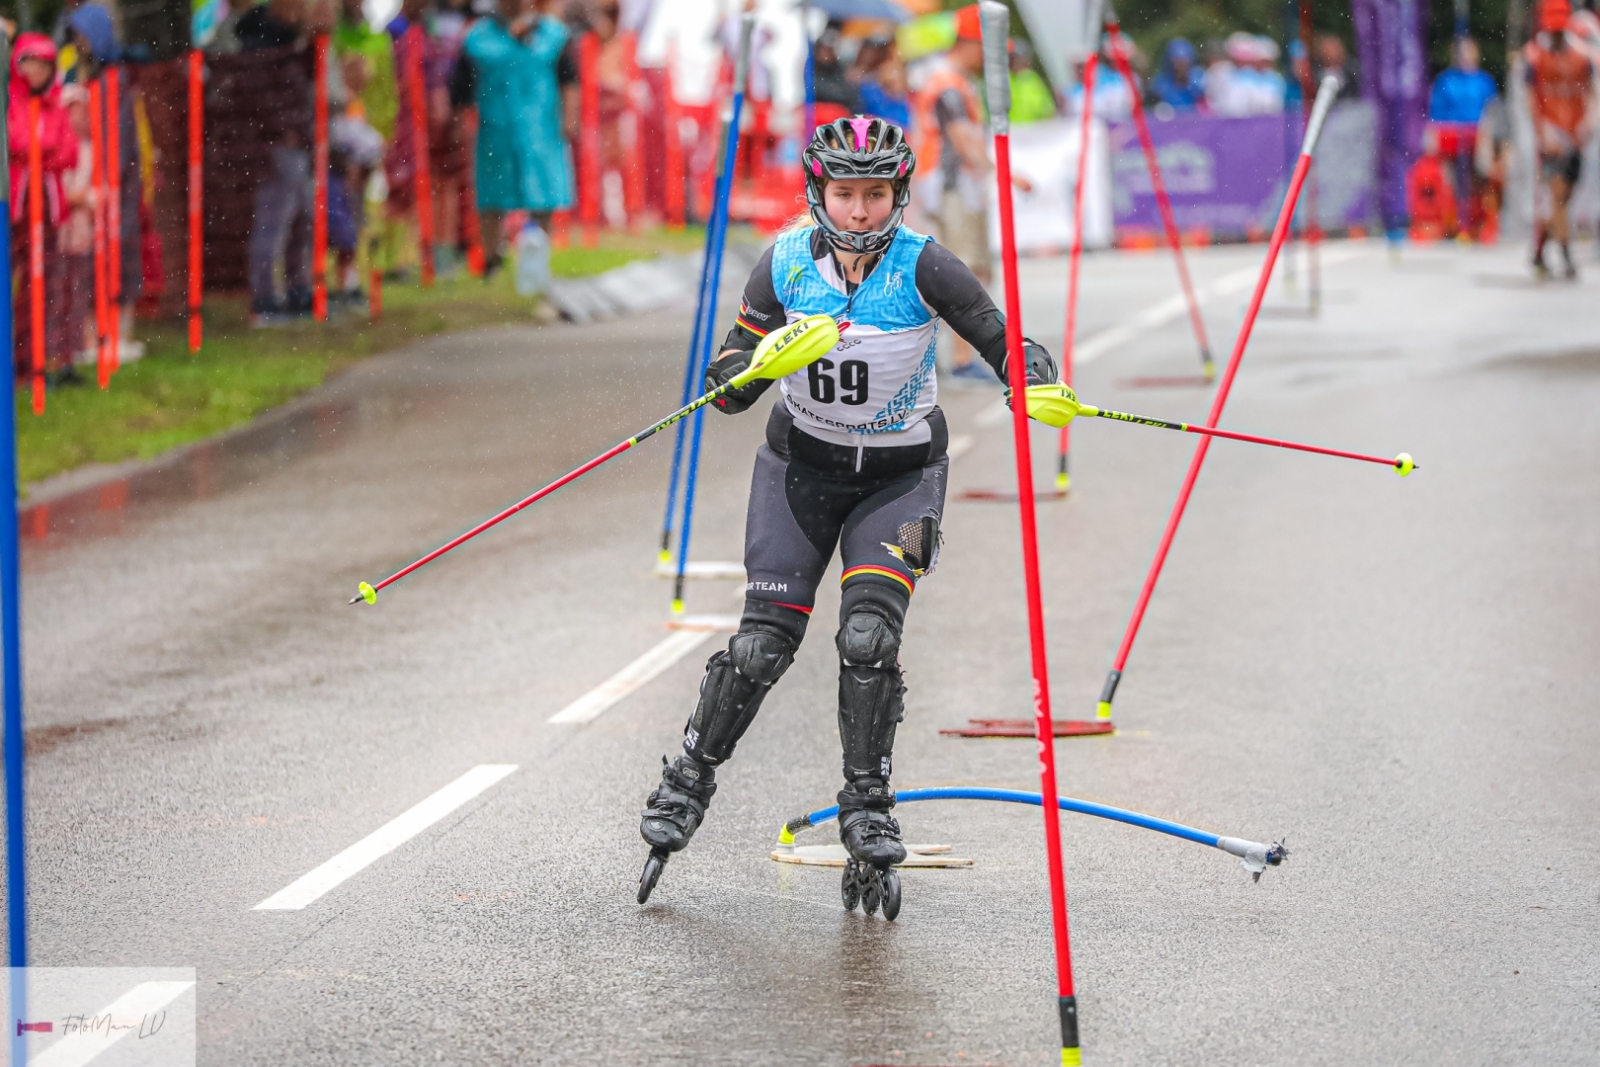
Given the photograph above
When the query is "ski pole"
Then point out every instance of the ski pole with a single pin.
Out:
(730, 150)
(1163, 202)
(780, 353)
(1254, 856)
(1054, 404)
(1319, 113)
(996, 22)
(1090, 68)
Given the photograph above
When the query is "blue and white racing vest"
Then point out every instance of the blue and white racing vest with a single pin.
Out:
(877, 387)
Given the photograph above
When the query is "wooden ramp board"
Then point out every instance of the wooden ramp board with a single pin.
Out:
(835, 855)
(1010, 495)
(1024, 728)
(708, 570)
(704, 622)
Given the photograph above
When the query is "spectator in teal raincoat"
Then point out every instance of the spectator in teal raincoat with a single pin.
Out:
(522, 160)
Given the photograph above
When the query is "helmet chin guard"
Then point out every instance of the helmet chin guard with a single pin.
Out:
(858, 147)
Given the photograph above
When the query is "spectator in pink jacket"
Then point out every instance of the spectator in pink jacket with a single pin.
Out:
(33, 70)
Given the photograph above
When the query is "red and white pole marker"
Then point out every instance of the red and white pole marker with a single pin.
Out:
(1119, 55)
(114, 213)
(319, 186)
(996, 20)
(102, 289)
(422, 183)
(672, 163)
(36, 253)
(1319, 114)
(1063, 451)
(196, 194)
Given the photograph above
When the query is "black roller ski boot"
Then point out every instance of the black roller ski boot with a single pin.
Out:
(673, 812)
(872, 838)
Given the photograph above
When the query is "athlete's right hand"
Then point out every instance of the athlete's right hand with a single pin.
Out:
(724, 369)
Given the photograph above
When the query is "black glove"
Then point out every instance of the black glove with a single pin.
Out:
(726, 369)
(1039, 365)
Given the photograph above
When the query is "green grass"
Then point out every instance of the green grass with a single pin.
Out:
(170, 398)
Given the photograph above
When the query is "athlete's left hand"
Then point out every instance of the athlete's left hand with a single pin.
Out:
(726, 368)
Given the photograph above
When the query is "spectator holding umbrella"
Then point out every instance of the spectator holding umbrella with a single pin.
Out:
(33, 69)
(521, 158)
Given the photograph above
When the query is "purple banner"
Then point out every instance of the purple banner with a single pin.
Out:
(1227, 176)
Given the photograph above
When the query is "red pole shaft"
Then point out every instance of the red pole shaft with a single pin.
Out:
(319, 183)
(196, 195)
(97, 149)
(418, 98)
(471, 225)
(609, 453)
(36, 252)
(1163, 202)
(1231, 435)
(114, 211)
(633, 147)
(1090, 70)
(673, 162)
(589, 139)
(1279, 232)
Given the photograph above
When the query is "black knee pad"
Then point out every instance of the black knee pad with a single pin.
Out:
(871, 704)
(736, 682)
(872, 617)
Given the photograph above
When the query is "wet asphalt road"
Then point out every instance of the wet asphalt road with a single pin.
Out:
(1399, 675)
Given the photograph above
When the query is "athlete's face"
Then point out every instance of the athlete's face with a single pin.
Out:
(860, 204)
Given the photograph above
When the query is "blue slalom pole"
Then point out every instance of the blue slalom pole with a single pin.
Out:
(1255, 856)
(689, 362)
(11, 637)
(811, 75)
(704, 333)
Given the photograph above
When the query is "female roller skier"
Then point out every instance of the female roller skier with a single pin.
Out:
(854, 458)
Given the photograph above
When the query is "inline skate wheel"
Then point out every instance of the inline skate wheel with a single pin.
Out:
(850, 887)
(872, 893)
(891, 894)
(653, 865)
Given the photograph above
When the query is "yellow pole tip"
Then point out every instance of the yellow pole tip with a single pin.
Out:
(1062, 481)
(664, 556)
(369, 594)
(1102, 711)
(784, 836)
(677, 607)
(1071, 1057)
(1404, 464)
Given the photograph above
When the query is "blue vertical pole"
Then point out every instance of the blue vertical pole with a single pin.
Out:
(811, 76)
(719, 220)
(11, 633)
(689, 362)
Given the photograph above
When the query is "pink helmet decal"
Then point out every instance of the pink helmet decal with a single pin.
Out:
(816, 167)
(861, 126)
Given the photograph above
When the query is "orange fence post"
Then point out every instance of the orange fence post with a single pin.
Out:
(114, 213)
(471, 227)
(36, 253)
(196, 193)
(673, 163)
(97, 148)
(319, 185)
(589, 139)
(422, 183)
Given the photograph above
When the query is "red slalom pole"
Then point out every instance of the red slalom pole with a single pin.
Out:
(97, 149)
(996, 20)
(673, 161)
(589, 138)
(1319, 113)
(319, 185)
(114, 214)
(1119, 56)
(196, 194)
(1064, 446)
(36, 253)
(422, 184)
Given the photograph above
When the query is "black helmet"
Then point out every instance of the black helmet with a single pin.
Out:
(858, 147)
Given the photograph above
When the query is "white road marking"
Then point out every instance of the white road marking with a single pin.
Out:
(386, 838)
(111, 1024)
(633, 677)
